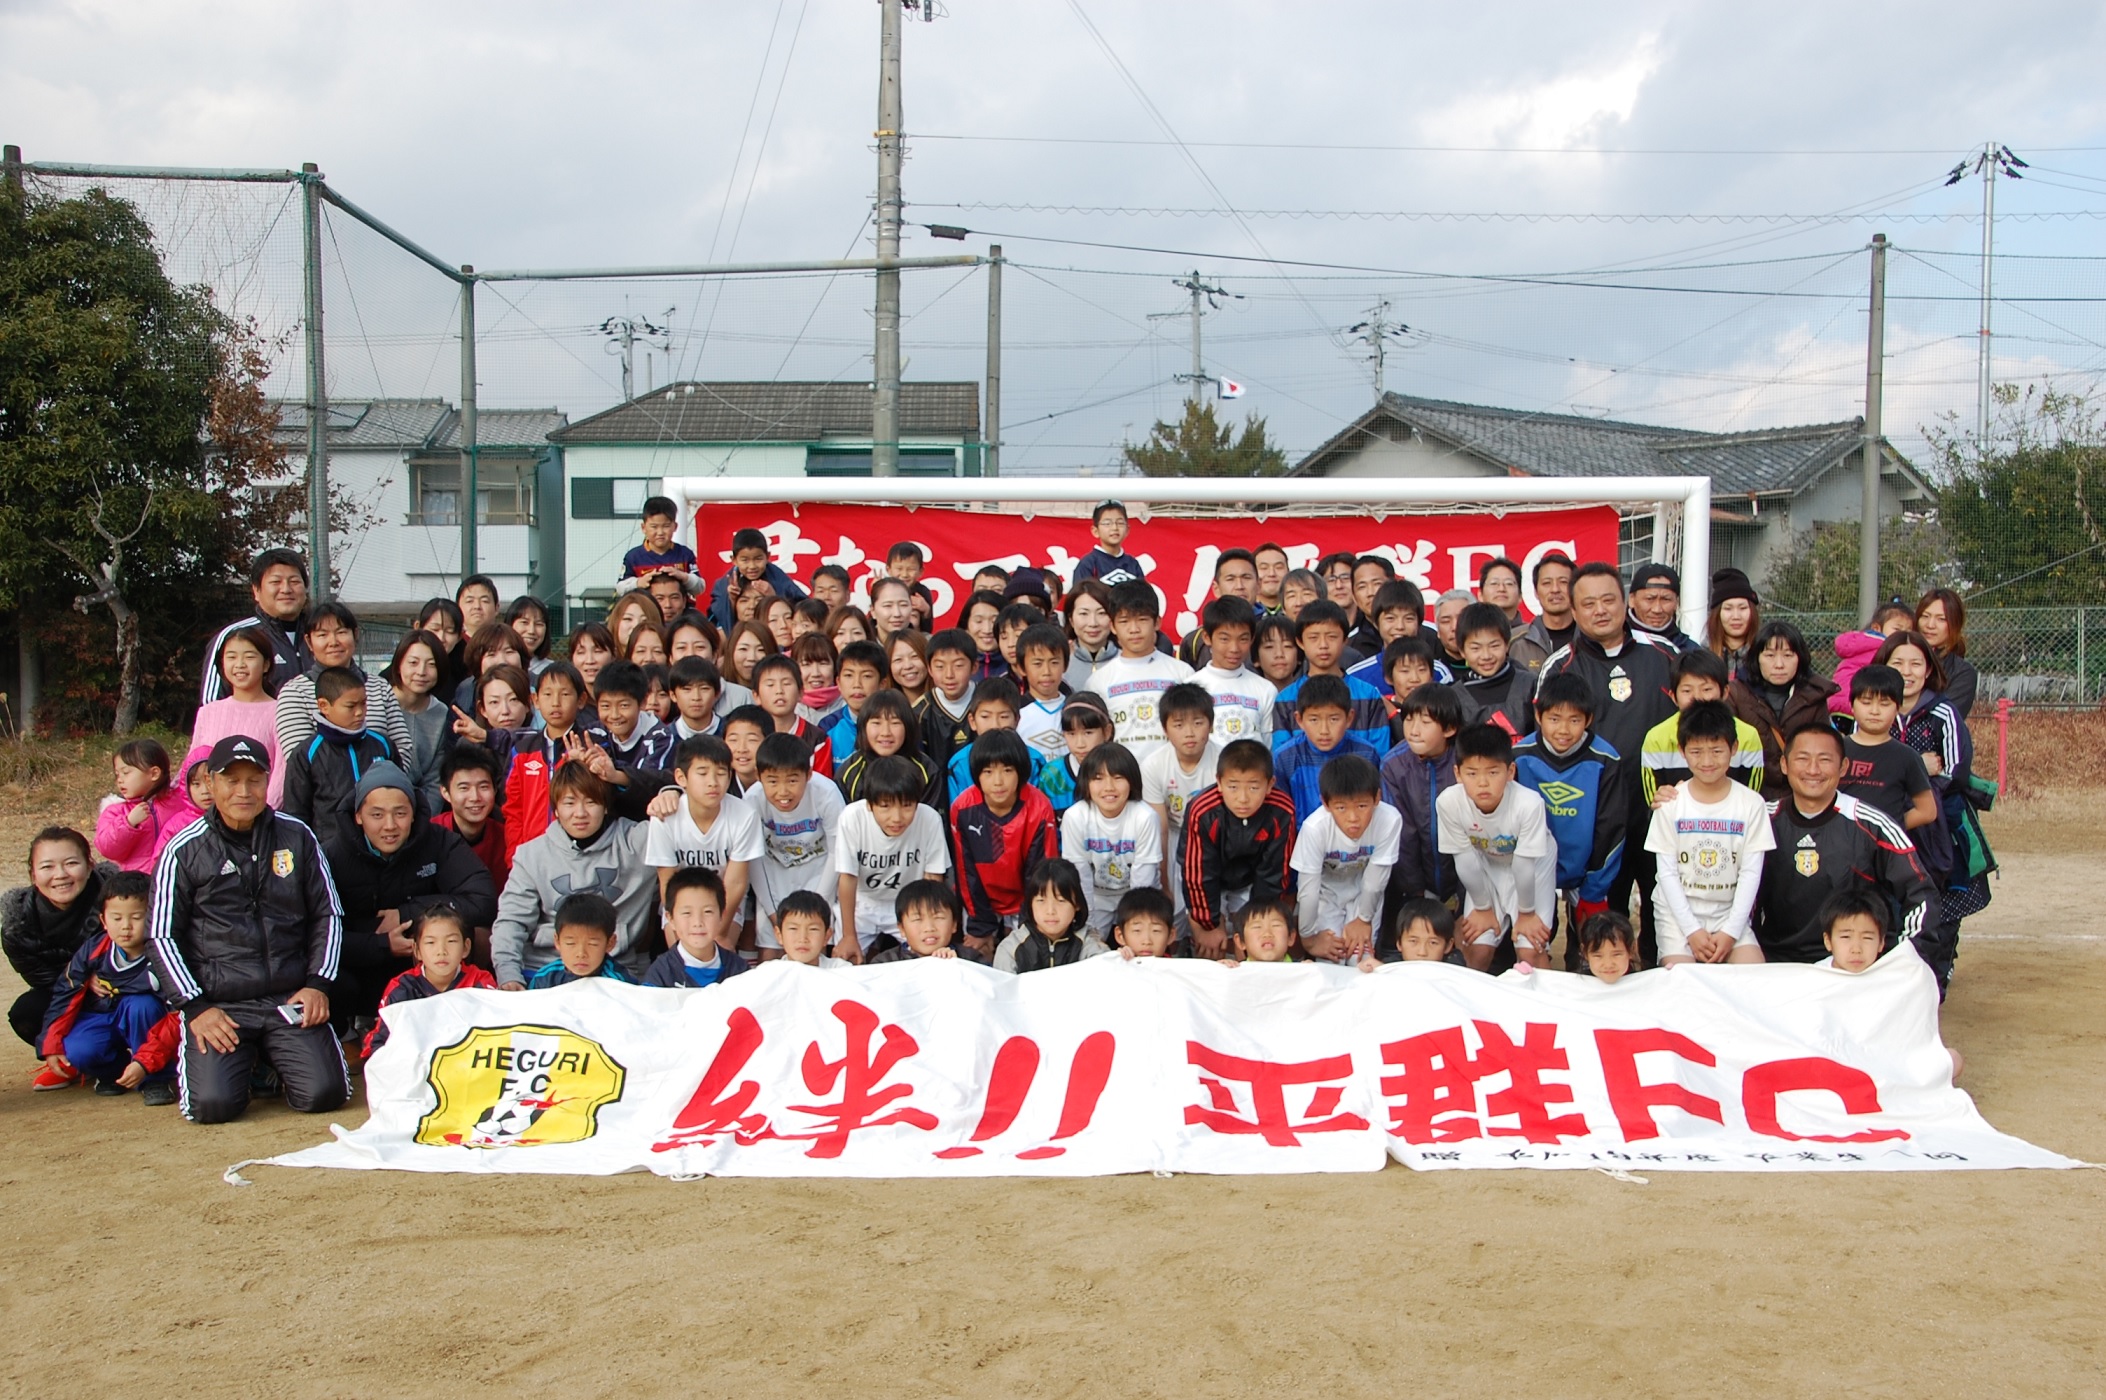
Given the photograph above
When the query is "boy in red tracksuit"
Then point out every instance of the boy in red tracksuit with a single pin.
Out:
(443, 941)
(107, 1019)
(529, 758)
(1239, 838)
(1002, 828)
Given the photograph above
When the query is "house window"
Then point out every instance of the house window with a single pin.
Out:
(504, 493)
(820, 461)
(610, 497)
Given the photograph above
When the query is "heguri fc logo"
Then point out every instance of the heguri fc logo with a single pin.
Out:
(518, 1086)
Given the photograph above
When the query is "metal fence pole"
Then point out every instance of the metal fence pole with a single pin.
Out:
(1875, 369)
(320, 585)
(468, 482)
(2083, 669)
(991, 428)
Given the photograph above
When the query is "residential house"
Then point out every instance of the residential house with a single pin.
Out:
(617, 459)
(396, 464)
(1767, 484)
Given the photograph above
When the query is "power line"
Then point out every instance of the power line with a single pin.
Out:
(1493, 216)
(1465, 150)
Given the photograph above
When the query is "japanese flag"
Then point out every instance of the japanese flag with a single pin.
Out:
(1230, 388)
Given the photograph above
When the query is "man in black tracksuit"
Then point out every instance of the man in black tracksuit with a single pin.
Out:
(278, 584)
(1632, 677)
(246, 934)
(1829, 842)
(389, 868)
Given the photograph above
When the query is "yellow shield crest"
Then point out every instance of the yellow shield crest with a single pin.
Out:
(1807, 862)
(281, 862)
(518, 1086)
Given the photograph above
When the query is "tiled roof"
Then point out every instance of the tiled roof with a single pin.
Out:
(401, 423)
(506, 427)
(776, 412)
(1765, 462)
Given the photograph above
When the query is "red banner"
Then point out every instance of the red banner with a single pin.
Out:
(1436, 552)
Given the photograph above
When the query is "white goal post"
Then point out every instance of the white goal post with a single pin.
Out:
(1681, 504)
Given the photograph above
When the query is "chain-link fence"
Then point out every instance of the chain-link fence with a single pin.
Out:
(2032, 656)
(1743, 341)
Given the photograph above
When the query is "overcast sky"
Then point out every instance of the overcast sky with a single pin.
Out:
(540, 135)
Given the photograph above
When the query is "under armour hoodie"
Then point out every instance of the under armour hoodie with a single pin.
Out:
(555, 864)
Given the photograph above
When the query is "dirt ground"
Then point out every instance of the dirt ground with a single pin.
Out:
(135, 1269)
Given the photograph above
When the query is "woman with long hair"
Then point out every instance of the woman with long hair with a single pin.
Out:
(1958, 855)
(744, 646)
(908, 652)
(646, 645)
(629, 610)
(494, 644)
(414, 673)
(442, 618)
(1942, 619)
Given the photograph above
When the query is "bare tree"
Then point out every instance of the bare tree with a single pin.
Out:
(108, 575)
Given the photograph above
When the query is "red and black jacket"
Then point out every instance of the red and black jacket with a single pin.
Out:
(995, 855)
(411, 986)
(1226, 852)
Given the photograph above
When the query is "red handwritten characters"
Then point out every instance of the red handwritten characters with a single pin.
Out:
(1268, 1081)
(860, 1073)
(1433, 1092)
(716, 1109)
(1009, 1085)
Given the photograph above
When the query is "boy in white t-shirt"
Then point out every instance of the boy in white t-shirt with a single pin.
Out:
(1710, 838)
(800, 819)
(1499, 833)
(1110, 835)
(1243, 699)
(1342, 859)
(1133, 681)
(697, 826)
(1180, 771)
(885, 842)
(804, 925)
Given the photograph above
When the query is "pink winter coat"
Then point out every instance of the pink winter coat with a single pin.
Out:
(1853, 653)
(131, 847)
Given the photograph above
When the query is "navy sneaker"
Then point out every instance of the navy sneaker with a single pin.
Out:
(109, 1089)
(158, 1093)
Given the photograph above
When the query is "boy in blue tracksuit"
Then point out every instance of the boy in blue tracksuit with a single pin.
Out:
(321, 777)
(107, 1019)
(1581, 781)
(1324, 710)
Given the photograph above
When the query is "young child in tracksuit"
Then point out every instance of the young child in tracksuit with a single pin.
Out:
(1002, 827)
(1580, 779)
(443, 941)
(107, 1019)
(321, 776)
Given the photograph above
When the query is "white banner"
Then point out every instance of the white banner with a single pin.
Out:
(949, 1069)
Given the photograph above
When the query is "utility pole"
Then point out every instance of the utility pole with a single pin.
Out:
(319, 583)
(11, 169)
(1875, 382)
(623, 332)
(1204, 295)
(1993, 159)
(1376, 332)
(991, 424)
(469, 492)
(884, 400)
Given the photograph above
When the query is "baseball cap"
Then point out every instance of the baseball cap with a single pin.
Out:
(237, 748)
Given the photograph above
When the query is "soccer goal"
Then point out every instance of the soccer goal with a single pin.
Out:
(1438, 530)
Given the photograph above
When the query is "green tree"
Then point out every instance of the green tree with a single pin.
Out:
(112, 379)
(2023, 512)
(1200, 445)
(1819, 571)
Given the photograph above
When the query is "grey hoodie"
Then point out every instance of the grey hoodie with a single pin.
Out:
(550, 866)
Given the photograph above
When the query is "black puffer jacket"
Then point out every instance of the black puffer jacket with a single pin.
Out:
(244, 914)
(434, 865)
(40, 938)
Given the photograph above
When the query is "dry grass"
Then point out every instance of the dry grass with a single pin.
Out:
(2051, 751)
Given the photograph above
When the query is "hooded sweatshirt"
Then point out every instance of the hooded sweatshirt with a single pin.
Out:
(610, 862)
